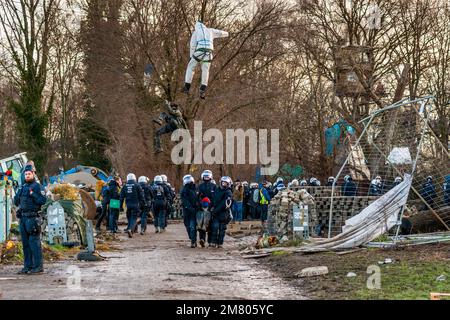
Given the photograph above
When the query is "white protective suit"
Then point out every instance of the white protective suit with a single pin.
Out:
(201, 50)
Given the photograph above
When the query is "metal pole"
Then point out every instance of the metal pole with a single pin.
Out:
(340, 171)
(399, 103)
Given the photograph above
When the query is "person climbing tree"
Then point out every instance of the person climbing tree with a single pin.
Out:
(201, 51)
(174, 120)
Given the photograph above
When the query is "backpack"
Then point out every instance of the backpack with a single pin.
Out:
(159, 194)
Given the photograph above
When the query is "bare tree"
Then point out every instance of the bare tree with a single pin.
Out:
(27, 26)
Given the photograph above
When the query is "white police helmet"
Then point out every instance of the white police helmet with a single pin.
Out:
(164, 177)
(158, 179)
(142, 179)
(188, 179)
(227, 180)
(131, 177)
(207, 175)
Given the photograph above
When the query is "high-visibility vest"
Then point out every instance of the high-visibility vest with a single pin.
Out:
(263, 199)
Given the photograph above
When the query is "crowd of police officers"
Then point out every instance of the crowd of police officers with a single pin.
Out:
(207, 208)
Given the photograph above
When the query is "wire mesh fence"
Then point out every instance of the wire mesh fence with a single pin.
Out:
(396, 140)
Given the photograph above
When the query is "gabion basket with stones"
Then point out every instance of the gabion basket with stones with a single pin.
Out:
(280, 216)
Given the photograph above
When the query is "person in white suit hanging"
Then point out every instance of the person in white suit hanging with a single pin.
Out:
(201, 51)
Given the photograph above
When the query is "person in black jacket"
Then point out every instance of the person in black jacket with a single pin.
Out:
(428, 192)
(30, 198)
(145, 210)
(170, 199)
(105, 208)
(160, 196)
(207, 189)
(190, 205)
(113, 194)
(220, 211)
(349, 189)
(133, 195)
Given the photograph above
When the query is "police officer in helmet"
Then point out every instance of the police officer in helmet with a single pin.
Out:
(30, 198)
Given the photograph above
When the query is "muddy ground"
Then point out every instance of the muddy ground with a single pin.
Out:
(153, 266)
(411, 275)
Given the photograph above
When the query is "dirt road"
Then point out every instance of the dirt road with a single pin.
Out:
(153, 266)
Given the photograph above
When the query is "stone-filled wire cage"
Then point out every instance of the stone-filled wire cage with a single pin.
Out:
(396, 140)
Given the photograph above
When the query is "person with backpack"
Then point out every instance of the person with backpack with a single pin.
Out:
(160, 196)
(114, 205)
(207, 189)
(105, 208)
(189, 202)
(253, 201)
(145, 210)
(133, 195)
(221, 211)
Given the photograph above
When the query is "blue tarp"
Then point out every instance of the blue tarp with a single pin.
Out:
(335, 134)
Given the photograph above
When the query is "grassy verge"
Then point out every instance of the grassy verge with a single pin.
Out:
(412, 274)
(410, 281)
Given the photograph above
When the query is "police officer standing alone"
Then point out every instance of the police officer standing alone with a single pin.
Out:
(30, 198)
(133, 195)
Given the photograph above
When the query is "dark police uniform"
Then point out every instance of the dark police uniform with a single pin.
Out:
(133, 195)
(147, 205)
(30, 198)
(190, 206)
(160, 196)
(219, 215)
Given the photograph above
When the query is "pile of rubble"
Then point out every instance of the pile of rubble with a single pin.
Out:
(280, 221)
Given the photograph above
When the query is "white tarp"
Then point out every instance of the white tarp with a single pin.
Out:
(399, 155)
(375, 220)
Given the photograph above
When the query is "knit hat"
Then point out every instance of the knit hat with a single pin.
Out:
(206, 202)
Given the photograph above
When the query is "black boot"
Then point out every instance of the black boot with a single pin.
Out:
(202, 91)
(186, 88)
